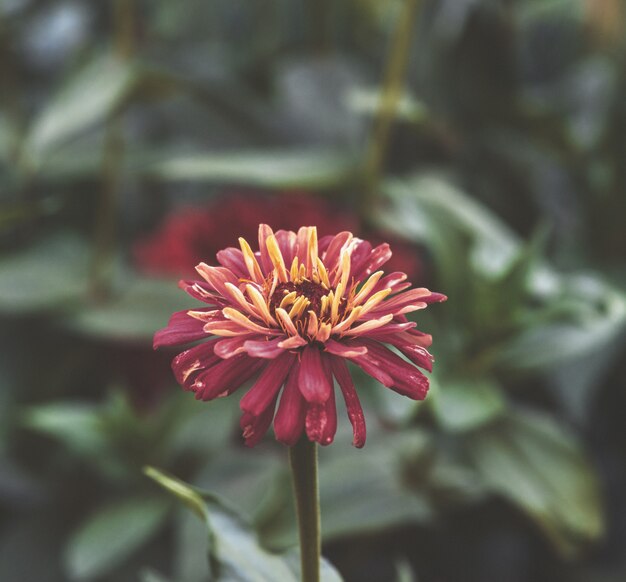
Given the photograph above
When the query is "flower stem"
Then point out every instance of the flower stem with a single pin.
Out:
(303, 461)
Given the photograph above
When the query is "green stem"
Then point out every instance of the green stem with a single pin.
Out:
(303, 461)
(390, 96)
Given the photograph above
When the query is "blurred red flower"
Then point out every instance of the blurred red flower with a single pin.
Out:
(192, 235)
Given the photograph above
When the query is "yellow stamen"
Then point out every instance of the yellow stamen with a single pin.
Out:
(324, 332)
(334, 308)
(276, 257)
(322, 273)
(299, 305)
(367, 287)
(241, 319)
(374, 300)
(313, 253)
(313, 325)
(251, 262)
(288, 299)
(293, 272)
(259, 302)
(346, 323)
(286, 321)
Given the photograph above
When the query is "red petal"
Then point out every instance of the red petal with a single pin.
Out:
(353, 405)
(255, 427)
(267, 385)
(225, 377)
(232, 259)
(289, 420)
(313, 380)
(189, 363)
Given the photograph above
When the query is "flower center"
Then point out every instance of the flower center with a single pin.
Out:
(306, 295)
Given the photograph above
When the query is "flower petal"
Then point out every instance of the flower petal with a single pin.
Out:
(264, 348)
(267, 385)
(225, 377)
(187, 364)
(353, 405)
(181, 329)
(313, 380)
(289, 420)
(344, 350)
(402, 376)
(233, 260)
(255, 427)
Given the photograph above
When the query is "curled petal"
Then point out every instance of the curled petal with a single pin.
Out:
(229, 347)
(353, 405)
(216, 277)
(343, 350)
(202, 292)
(264, 348)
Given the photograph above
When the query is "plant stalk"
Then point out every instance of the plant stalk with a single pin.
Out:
(303, 462)
(391, 93)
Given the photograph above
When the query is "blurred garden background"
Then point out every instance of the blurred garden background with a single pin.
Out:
(484, 139)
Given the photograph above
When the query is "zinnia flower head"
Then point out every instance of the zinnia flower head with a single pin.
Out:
(293, 314)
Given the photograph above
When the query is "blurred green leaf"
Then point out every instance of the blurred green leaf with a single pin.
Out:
(539, 466)
(77, 425)
(270, 169)
(86, 100)
(235, 553)
(52, 273)
(375, 501)
(465, 404)
(367, 101)
(137, 309)
(601, 312)
(429, 209)
(112, 534)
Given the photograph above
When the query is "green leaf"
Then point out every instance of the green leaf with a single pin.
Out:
(87, 99)
(111, 535)
(429, 209)
(52, 273)
(136, 310)
(77, 425)
(539, 466)
(465, 404)
(601, 320)
(270, 169)
(234, 550)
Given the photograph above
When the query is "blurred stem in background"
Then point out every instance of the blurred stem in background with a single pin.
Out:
(390, 95)
(112, 160)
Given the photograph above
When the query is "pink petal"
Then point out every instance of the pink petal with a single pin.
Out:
(336, 244)
(229, 347)
(353, 405)
(313, 380)
(344, 350)
(232, 259)
(181, 329)
(268, 384)
(225, 377)
(286, 240)
(289, 420)
(217, 277)
(264, 348)
(201, 291)
(371, 262)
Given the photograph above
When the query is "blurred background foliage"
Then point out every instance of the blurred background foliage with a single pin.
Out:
(484, 139)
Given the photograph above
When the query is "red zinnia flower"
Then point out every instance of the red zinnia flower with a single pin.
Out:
(294, 312)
